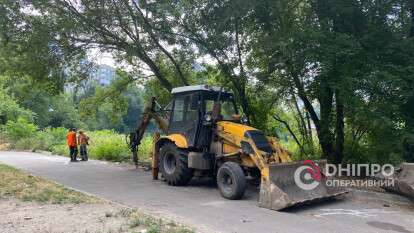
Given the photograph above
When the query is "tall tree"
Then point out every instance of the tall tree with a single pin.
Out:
(123, 27)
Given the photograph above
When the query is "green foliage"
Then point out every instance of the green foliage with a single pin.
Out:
(10, 109)
(31, 144)
(52, 110)
(107, 145)
(62, 113)
(61, 149)
(145, 148)
(111, 146)
(117, 106)
(25, 135)
(103, 144)
(344, 66)
(20, 129)
(51, 138)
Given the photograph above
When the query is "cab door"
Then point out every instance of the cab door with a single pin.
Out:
(185, 117)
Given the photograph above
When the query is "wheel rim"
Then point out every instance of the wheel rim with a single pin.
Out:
(169, 163)
(227, 182)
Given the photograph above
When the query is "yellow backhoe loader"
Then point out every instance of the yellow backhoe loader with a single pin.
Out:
(204, 135)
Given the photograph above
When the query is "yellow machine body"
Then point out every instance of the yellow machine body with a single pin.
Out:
(178, 139)
(231, 135)
(230, 142)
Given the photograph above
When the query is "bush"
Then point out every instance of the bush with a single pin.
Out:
(10, 109)
(108, 145)
(111, 146)
(104, 144)
(51, 137)
(22, 128)
(145, 149)
(60, 149)
(31, 143)
(24, 135)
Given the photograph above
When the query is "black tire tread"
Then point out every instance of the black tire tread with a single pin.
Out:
(182, 174)
(240, 179)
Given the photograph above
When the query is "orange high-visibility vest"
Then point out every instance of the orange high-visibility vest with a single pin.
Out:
(71, 139)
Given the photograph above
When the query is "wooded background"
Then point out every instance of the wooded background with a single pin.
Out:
(331, 78)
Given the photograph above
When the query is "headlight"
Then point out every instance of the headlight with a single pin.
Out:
(244, 120)
(207, 117)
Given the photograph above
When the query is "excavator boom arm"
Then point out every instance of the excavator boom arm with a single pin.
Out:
(148, 114)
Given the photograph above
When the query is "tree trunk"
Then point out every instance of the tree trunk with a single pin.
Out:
(241, 91)
(339, 129)
(301, 120)
(412, 18)
(308, 122)
(325, 135)
(277, 118)
(322, 125)
(245, 104)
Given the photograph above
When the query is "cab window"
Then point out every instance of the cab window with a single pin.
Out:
(185, 108)
(178, 114)
(227, 108)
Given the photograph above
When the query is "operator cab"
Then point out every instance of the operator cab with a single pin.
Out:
(192, 107)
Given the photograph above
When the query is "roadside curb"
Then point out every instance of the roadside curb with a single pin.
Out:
(386, 199)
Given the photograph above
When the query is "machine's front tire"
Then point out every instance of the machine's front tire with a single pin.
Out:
(174, 165)
(231, 181)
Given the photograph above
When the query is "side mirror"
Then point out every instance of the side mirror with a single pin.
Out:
(246, 147)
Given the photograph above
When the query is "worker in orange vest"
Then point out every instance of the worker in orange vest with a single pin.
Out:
(72, 144)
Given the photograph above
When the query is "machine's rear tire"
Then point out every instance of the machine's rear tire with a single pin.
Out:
(231, 181)
(174, 165)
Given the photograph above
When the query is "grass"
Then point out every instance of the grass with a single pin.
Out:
(17, 184)
(156, 225)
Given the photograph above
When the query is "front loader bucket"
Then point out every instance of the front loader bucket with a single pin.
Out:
(281, 191)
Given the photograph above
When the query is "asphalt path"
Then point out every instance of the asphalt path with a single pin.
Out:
(201, 206)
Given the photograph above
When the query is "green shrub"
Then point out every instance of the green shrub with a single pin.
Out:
(3, 137)
(108, 145)
(31, 143)
(103, 144)
(58, 134)
(51, 137)
(61, 149)
(145, 149)
(19, 129)
(10, 109)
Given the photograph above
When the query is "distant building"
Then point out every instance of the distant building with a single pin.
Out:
(101, 75)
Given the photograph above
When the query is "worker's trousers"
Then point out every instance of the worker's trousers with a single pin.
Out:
(84, 152)
(73, 151)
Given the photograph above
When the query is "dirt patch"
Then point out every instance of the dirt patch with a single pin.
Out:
(18, 216)
(32, 217)
(32, 204)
